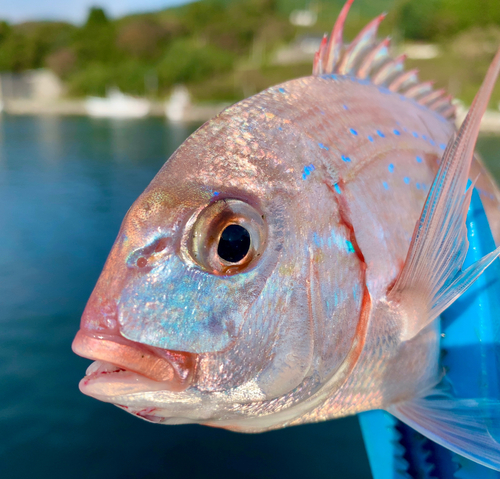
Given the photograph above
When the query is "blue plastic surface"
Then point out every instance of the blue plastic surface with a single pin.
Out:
(470, 345)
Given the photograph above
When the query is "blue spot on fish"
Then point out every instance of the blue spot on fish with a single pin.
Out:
(350, 247)
(307, 171)
(397, 132)
(345, 107)
(417, 185)
(337, 189)
(323, 147)
(353, 131)
(390, 168)
(279, 128)
(216, 193)
(415, 134)
(407, 180)
(346, 159)
(316, 239)
(370, 138)
(379, 133)
(442, 146)
(419, 159)
(424, 137)
(282, 90)
(432, 142)
(386, 186)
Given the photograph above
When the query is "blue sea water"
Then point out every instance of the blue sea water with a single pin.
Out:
(65, 185)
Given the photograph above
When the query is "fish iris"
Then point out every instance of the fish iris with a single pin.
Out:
(234, 244)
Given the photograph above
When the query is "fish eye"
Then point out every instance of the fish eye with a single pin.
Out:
(227, 237)
(234, 244)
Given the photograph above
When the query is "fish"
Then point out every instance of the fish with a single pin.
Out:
(290, 261)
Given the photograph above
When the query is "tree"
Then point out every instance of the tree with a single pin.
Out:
(417, 20)
(187, 61)
(141, 38)
(96, 40)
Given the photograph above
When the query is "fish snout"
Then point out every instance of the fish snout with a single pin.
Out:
(100, 339)
(101, 316)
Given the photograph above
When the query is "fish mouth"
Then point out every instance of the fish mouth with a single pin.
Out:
(124, 367)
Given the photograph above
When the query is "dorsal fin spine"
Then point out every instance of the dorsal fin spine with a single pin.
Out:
(406, 79)
(431, 97)
(370, 60)
(364, 40)
(442, 102)
(388, 70)
(365, 58)
(336, 39)
(419, 89)
(319, 57)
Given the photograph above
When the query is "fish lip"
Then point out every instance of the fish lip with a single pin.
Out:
(174, 369)
(106, 382)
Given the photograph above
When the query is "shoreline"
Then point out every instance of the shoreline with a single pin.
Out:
(76, 107)
(490, 123)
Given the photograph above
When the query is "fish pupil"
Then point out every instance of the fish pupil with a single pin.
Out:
(234, 243)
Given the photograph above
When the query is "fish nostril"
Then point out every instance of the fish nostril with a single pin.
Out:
(144, 257)
(162, 243)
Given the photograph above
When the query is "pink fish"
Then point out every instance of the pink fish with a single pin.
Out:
(290, 261)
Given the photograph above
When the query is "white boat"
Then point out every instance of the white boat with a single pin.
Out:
(117, 105)
(178, 104)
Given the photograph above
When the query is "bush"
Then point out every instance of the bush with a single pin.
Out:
(417, 20)
(92, 80)
(187, 61)
(141, 38)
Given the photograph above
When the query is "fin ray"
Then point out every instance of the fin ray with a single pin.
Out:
(460, 425)
(365, 57)
(432, 276)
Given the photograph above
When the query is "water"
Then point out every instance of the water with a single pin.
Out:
(65, 185)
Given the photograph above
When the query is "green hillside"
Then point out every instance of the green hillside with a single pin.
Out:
(222, 49)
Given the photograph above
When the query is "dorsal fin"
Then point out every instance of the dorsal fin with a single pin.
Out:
(368, 58)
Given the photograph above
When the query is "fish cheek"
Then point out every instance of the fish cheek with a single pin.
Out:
(178, 307)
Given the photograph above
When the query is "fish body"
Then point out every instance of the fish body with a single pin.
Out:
(326, 180)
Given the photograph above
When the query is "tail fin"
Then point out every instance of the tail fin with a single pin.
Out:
(432, 278)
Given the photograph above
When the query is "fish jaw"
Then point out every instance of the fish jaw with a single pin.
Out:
(124, 367)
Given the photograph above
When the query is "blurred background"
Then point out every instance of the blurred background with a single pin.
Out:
(95, 98)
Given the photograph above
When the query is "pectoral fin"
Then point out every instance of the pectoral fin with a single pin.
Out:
(432, 277)
(464, 426)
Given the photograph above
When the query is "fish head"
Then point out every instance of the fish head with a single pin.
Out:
(203, 312)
